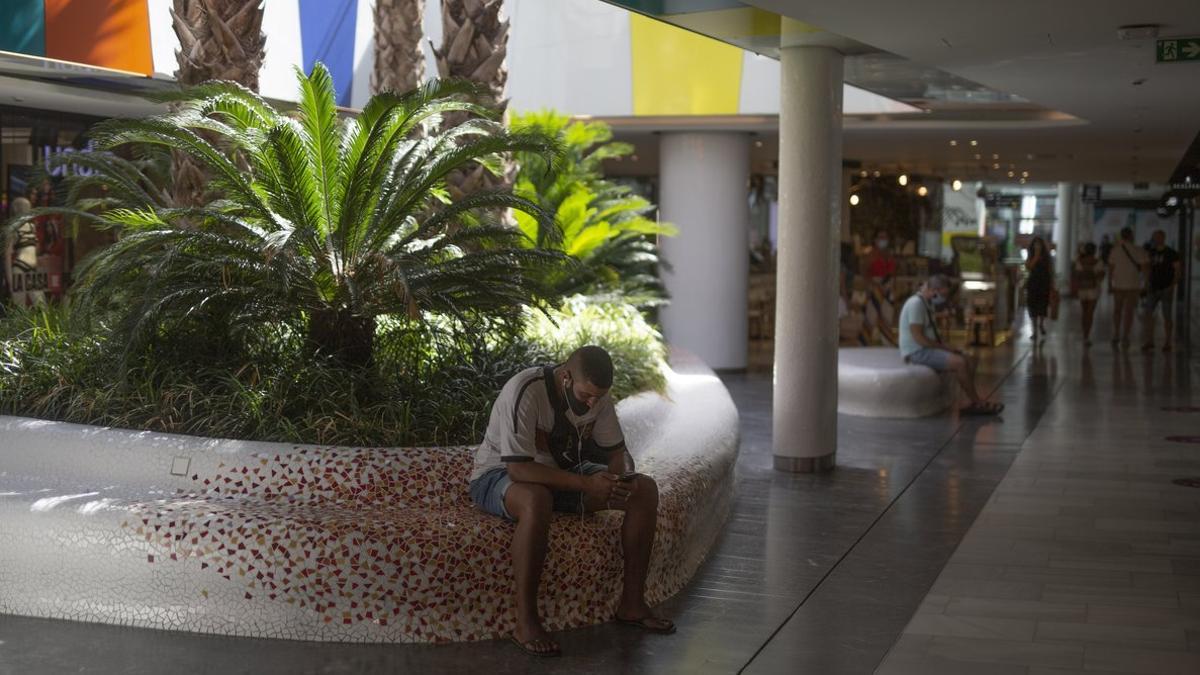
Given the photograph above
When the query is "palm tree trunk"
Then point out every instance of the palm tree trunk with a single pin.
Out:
(474, 47)
(339, 334)
(399, 62)
(218, 40)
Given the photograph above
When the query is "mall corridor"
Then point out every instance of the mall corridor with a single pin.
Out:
(1084, 555)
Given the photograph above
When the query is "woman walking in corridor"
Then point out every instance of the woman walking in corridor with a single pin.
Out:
(1037, 287)
(1088, 272)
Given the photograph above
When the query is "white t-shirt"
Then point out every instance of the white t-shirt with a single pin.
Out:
(531, 421)
(1126, 270)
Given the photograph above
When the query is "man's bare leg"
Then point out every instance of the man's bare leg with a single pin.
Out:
(637, 540)
(1127, 320)
(1118, 314)
(531, 505)
(964, 371)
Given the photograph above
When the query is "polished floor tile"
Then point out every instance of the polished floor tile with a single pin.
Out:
(1094, 544)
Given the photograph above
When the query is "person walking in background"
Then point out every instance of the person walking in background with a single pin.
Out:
(1087, 273)
(1164, 275)
(1126, 264)
(1037, 286)
(1106, 247)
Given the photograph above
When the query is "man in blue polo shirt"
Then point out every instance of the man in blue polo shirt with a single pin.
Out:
(921, 344)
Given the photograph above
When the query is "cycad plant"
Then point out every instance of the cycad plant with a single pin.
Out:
(324, 224)
(601, 224)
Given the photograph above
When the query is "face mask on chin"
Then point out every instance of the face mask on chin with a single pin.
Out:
(578, 407)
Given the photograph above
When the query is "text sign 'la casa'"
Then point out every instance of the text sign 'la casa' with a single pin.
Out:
(1178, 49)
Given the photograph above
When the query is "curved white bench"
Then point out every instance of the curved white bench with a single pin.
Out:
(876, 382)
(337, 544)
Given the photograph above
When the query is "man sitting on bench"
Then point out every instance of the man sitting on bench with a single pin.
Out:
(921, 344)
(534, 459)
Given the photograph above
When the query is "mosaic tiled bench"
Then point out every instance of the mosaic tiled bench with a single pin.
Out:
(337, 544)
(876, 382)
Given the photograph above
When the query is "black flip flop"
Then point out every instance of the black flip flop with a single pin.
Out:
(524, 646)
(982, 408)
(648, 627)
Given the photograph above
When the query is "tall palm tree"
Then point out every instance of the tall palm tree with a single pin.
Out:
(218, 40)
(399, 61)
(475, 47)
(323, 224)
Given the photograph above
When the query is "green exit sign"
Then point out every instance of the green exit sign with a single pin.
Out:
(1179, 49)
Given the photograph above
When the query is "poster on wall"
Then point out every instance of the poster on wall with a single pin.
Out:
(37, 253)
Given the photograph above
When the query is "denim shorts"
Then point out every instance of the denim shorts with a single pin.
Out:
(1164, 297)
(487, 491)
(927, 356)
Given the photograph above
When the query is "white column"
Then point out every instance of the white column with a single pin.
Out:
(1064, 225)
(810, 199)
(703, 190)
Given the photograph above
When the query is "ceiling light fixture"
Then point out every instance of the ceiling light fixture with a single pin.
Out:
(995, 166)
(956, 185)
(875, 174)
(922, 190)
(853, 200)
(974, 143)
(995, 156)
(953, 143)
(1138, 31)
(1011, 174)
(863, 173)
(903, 179)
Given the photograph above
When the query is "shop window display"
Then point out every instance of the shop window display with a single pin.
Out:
(38, 258)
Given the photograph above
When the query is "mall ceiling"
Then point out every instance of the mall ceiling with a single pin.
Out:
(1136, 118)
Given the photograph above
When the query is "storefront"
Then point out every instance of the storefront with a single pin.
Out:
(39, 258)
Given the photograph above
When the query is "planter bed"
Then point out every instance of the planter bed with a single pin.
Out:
(330, 543)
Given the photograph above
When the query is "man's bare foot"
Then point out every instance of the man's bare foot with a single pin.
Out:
(534, 639)
(643, 618)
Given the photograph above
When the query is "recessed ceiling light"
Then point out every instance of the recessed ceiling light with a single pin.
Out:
(995, 156)
(1024, 174)
(758, 144)
(1138, 31)
(1022, 181)
(863, 173)
(922, 190)
(875, 174)
(1011, 174)
(995, 166)
(974, 143)
(953, 143)
(903, 179)
(978, 156)
(853, 200)
(956, 185)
